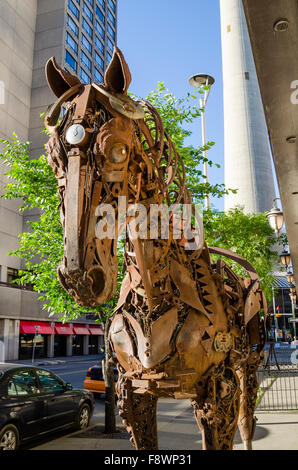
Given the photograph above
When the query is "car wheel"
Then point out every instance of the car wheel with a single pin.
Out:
(83, 417)
(9, 437)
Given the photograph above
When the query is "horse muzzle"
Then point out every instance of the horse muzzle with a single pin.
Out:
(90, 288)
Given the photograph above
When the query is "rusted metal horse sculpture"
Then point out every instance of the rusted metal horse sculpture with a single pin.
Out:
(183, 327)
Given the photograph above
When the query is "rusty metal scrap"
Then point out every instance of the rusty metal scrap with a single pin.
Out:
(183, 327)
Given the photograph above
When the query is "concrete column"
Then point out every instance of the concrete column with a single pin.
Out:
(247, 156)
(85, 345)
(50, 348)
(69, 345)
(9, 340)
(3, 274)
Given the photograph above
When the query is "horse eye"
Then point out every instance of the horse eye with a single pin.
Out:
(118, 153)
(75, 134)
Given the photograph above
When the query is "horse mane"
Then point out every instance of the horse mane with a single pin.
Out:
(164, 163)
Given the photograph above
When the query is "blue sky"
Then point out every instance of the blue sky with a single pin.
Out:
(169, 41)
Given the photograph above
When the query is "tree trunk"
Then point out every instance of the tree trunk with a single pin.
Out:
(108, 368)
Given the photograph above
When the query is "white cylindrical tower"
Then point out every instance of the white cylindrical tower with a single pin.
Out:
(247, 155)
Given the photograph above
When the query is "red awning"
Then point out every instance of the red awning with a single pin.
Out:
(95, 330)
(80, 330)
(32, 328)
(63, 329)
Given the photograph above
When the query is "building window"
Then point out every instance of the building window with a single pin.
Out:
(28, 342)
(87, 44)
(71, 24)
(12, 275)
(87, 28)
(100, 15)
(71, 61)
(110, 45)
(229, 28)
(73, 9)
(98, 60)
(98, 76)
(87, 12)
(85, 77)
(246, 75)
(102, 4)
(99, 29)
(99, 44)
(112, 5)
(111, 18)
(111, 31)
(72, 43)
(85, 60)
(108, 57)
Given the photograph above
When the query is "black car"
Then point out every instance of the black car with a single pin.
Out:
(34, 402)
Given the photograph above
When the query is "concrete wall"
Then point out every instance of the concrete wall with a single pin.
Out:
(49, 41)
(247, 157)
(17, 37)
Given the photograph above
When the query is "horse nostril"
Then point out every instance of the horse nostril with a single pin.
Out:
(98, 280)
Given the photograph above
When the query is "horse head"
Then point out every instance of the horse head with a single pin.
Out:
(89, 151)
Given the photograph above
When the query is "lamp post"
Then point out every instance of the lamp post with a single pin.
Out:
(201, 80)
(275, 317)
(275, 218)
(34, 341)
(293, 298)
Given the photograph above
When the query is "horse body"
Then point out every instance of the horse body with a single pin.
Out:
(183, 327)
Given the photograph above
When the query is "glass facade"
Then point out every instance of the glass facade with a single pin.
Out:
(90, 36)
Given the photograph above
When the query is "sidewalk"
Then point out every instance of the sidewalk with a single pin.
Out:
(177, 430)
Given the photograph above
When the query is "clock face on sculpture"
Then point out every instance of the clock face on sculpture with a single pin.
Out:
(75, 134)
(185, 326)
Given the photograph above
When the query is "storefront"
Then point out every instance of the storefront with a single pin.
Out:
(96, 340)
(34, 339)
(62, 333)
(43, 339)
(80, 340)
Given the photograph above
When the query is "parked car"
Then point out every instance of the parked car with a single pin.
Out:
(34, 402)
(94, 380)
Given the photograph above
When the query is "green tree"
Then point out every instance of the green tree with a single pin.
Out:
(177, 115)
(250, 236)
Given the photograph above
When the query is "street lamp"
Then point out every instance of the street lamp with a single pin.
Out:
(275, 218)
(293, 298)
(293, 289)
(285, 258)
(201, 80)
(290, 278)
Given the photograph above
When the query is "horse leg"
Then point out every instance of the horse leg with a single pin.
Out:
(249, 390)
(138, 413)
(217, 414)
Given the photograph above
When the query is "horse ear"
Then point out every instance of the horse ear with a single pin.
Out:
(58, 79)
(117, 77)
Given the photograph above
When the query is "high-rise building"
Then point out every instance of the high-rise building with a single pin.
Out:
(247, 155)
(81, 35)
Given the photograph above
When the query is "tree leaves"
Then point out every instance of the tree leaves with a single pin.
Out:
(250, 236)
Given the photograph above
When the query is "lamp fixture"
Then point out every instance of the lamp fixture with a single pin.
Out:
(285, 258)
(275, 218)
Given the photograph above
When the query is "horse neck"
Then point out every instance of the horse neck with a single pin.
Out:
(148, 264)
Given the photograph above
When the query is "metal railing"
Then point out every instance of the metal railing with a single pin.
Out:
(278, 388)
